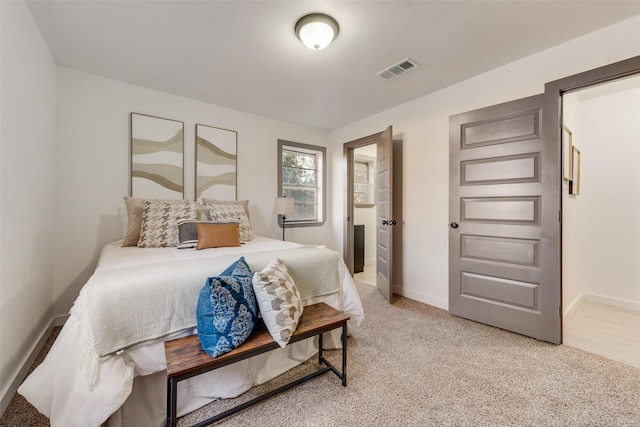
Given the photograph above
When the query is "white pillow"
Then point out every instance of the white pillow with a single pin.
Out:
(160, 223)
(279, 301)
(134, 217)
(231, 212)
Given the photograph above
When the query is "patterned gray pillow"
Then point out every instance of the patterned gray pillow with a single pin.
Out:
(279, 301)
(219, 212)
(243, 203)
(134, 217)
(160, 223)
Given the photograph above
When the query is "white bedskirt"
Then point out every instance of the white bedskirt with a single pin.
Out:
(59, 387)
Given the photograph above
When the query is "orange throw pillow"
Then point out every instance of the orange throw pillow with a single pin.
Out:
(217, 235)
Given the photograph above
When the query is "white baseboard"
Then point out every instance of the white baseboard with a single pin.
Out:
(570, 308)
(369, 261)
(615, 302)
(421, 297)
(600, 299)
(28, 360)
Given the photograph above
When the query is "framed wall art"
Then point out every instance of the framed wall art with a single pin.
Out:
(567, 145)
(216, 163)
(574, 188)
(157, 157)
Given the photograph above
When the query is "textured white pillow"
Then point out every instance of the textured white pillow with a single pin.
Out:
(279, 301)
(134, 217)
(243, 203)
(160, 223)
(220, 212)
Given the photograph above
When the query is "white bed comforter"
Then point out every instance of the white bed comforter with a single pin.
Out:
(61, 387)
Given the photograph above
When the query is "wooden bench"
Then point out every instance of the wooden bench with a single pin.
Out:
(186, 359)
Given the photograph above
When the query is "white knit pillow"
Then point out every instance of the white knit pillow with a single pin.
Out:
(279, 301)
(160, 223)
(220, 212)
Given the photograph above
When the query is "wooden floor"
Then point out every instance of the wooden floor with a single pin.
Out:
(605, 330)
(368, 275)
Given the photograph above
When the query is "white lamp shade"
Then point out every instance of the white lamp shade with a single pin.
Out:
(283, 206)
(316, 31)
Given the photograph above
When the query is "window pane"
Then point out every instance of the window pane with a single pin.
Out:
(361, 172)
(298, 176)
(360, 188)
(303, 212)
(301, 195)
(361, 177)
(298, 160)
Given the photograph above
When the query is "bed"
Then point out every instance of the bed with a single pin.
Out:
(125, 384)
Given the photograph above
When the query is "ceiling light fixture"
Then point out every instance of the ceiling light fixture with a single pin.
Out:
(316, 30)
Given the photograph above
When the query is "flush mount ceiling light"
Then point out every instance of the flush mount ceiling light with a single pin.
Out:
(316, 30)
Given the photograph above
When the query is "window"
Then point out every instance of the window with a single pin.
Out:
(302, 176)
(363, 191)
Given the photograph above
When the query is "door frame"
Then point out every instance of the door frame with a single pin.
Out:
(349, 156)
(553, 93)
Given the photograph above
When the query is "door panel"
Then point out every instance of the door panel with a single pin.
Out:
(511, 127)
(500, 170)
(499, 249)
(501, 210)
(504, 180)
(384, 214)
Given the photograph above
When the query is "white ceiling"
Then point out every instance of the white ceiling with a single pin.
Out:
(244, 54)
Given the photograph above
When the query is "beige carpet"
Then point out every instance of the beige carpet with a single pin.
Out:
(416, 365)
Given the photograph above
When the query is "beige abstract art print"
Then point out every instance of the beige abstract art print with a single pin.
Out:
(157, 157)
(216, 163)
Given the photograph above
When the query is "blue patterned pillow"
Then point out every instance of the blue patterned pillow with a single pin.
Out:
(227, 309)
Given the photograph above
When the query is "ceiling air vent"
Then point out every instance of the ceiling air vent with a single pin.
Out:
(401, 67)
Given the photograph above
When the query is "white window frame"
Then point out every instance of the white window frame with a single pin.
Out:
(321, 153)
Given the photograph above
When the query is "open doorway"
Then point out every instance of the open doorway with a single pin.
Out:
(601, 275)
(364, 214)
(377, 191)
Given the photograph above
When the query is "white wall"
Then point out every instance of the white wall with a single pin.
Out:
(572, 289)
(609, 208)
(424, 125)
(28, 79)
(92, 167)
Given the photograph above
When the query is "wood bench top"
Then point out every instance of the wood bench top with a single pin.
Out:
(185, 357)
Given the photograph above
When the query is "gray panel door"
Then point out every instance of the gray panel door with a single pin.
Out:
(504, 229)
(384, 214)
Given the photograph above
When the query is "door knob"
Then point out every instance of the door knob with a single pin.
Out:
(385, 222)
(393, 222)
(454, 225)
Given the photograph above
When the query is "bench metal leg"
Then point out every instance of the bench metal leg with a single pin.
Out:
(344, 355)
(342, 375)
(172, 400)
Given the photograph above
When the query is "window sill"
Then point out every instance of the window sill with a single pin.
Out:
(302, 224)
